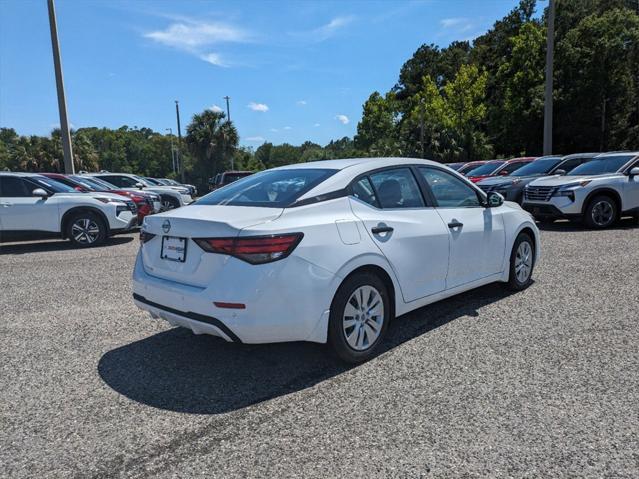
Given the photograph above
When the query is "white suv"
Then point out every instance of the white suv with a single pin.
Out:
(171, 196)
(599, 191)
(34, 206)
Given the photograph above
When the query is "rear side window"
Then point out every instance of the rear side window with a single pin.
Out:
(363, 190)
(397, 188)
(272, 188)
(12, 187)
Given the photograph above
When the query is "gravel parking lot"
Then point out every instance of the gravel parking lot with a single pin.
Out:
(543, 383)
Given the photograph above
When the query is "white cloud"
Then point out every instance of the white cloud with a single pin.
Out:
(287, 128)
(300, 102)
(324, 32)
(343, 119)
(458, 24)
(213, 59)
(196, 37)
(255, 139)
(274, 130)
(316, 125)
(216, 109)
(258, 106)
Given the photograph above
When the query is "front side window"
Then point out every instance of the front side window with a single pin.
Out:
(12, 187)
(272, 188)
(448, 190)
(397, 188)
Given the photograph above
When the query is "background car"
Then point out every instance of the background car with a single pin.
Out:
(34, 206)
(166, 182)
(170, 197)
(469, 166)
(512, 186)
(489, 168)
(226, 178)
(455, 166)
(598, 191)
(147, 203)
(329, 251)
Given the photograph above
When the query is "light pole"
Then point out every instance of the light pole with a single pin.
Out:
(170, 130)
(550, 53)
(177, 155)
(228, 109)
(62, 102)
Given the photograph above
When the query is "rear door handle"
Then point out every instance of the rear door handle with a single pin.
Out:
(381, 229)
(455, 224)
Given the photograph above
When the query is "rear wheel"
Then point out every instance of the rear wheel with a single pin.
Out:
(169, 203)
(359, 317)
(522, 262)
(86, 229)
(601, 212)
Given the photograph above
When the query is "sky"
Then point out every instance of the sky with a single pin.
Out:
(294, 70)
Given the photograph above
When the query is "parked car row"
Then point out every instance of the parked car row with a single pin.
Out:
(597, 188)
(85, 208)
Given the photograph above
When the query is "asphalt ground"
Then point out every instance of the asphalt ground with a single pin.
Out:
(542, 383)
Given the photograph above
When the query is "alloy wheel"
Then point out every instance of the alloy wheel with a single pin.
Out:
(167, 205)
(523, 261)
(602, 213)
(85, 230)
(363, 318)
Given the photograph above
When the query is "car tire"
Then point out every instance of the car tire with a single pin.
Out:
(356, 337)
(86, 229)
(601, 212)
(169, 203)
(522, 263)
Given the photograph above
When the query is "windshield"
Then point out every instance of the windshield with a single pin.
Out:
(537, 167)
(467, 167)
(600, 166)
(272, 188)
(94, 183)
(53, 185)
(485, 169)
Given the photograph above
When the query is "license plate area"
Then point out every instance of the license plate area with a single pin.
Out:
(173, 249)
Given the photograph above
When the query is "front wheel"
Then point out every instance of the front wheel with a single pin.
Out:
(522, 262)
(86, 229)
(601, 212)
(359, 317)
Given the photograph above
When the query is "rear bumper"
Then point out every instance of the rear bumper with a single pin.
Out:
(284, 301)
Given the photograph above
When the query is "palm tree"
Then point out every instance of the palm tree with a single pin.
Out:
(211, 140)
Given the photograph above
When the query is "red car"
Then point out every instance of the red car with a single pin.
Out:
(497, 167)
(469, 166)
(147, 202)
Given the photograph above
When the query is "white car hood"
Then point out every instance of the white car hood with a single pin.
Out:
(93, 195)
(561, 180)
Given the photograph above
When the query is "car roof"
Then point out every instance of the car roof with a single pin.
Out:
(19, 173)
(618, 153)
(580, 155)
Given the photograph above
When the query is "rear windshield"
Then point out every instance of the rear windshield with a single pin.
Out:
(537, 167)
(600, 166)
(272, 188)
(51, 184)
(485, 169)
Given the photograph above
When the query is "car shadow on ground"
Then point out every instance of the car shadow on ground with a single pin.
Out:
(56, 245)
(625, 223)
(179, 371)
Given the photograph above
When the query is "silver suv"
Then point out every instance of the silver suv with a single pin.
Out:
(599, 191)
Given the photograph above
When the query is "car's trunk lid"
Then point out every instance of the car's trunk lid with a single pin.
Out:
(197, 221)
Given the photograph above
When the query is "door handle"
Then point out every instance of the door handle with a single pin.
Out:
(455, 224)
(5, 204)
(381, 229)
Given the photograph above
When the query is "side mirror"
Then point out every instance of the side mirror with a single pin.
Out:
(560, 172)
(495, 199)
(634, 171)
(40, 193)
(139, 186)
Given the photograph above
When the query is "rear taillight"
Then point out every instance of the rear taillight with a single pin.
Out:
(253, 249)
(144, 236)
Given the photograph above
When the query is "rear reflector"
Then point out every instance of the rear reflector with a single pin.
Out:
(221, 304)
(253, 249)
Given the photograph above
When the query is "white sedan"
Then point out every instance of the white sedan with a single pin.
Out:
(329, 251)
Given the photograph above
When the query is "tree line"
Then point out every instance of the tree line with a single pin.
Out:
(466, 101)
